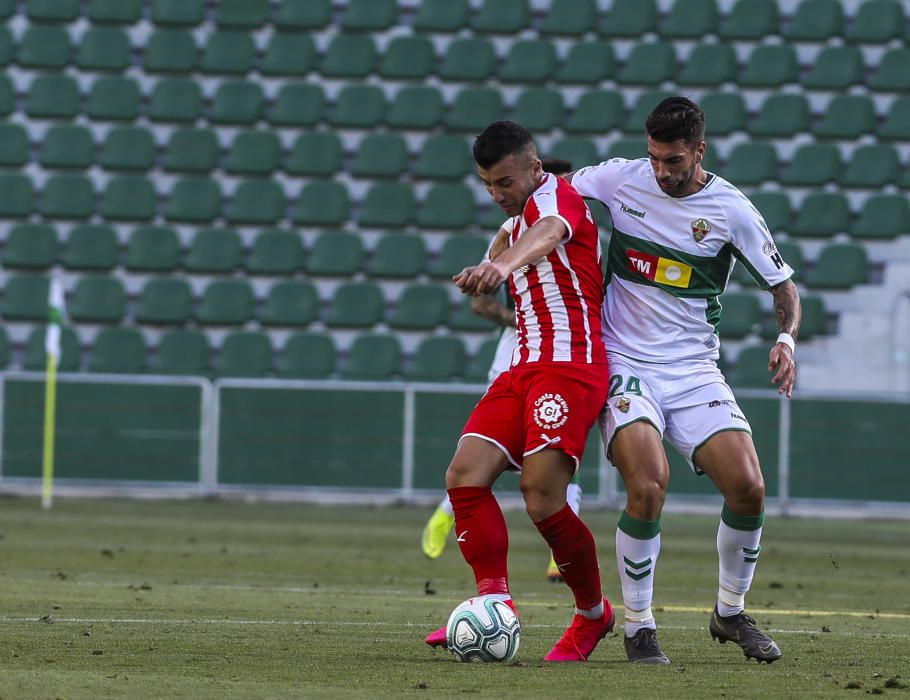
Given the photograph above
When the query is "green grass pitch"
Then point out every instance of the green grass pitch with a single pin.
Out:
(196, 599)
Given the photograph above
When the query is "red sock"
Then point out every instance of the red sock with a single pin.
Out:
(482, 536)
(576, 554)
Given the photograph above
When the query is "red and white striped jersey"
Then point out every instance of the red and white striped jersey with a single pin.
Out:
(558, 298)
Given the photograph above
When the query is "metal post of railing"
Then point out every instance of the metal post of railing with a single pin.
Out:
(407, 446)
(783, 455)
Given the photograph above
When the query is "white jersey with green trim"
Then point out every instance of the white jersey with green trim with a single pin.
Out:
(670, 258)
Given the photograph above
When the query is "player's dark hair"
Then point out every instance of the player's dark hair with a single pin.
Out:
(555, 165)
(676, 119)
(498, 140)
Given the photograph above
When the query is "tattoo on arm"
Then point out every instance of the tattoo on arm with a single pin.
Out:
(787, 309)
(489, 307)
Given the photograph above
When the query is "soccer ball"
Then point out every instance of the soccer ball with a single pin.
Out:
(483, 629)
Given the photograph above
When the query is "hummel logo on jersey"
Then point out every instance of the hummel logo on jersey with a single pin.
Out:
(462, 537)
(629, 210)
(661, 270)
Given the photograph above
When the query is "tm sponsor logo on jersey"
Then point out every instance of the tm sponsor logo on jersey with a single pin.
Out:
(629, 210)
(551, 411)
(662, 270)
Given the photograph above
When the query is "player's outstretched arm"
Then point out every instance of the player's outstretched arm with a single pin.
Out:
(489, 307)
(788, 313)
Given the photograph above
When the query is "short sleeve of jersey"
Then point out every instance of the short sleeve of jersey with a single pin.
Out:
(599, 181)
(557, 198)
(754, 246)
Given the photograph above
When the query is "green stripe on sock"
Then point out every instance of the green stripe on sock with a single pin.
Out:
(637, 577)
(637, 564)
(750, 560)
(752, 550)
(742, 522)
(639, 529)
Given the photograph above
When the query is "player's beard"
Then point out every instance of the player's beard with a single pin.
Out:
(677, 187)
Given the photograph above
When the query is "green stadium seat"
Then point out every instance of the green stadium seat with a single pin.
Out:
(191, 150)
(444, 157)
(104, 49)
(770, 65)
(528, 61)
(539, 109)
(243, 14)
(502, 17)
(129, 198)
(306, 356)
(741, 315)
(52, 10)
(152, 249)
(491, 218)
(814, 317)
(813, 164)
(373, 357)
(253, 153)
(441, 15)
(447, 205)
(774, 208)
(579, 152)
(388, 204)
(570, 18)
(369, 15)
(7, 8)
(290, 303)
(128, 148)
(891, 73)
(474, 108)
(479, 366)
(303, 14)
(228, 52)
(438, 359)
(457, 253)
(839, 266)
(752, 20)
(468, 59)
(226, 302)
(297, 105)
(630, 19)
(30, 246)
(847, 117)
(114, 98)
(317, 153)
(46, 48)
(66, 146)
(380, 155)
(175, 100)
(709, 64)
(259, 201)
(644, 104)
(17, 196)
(276, 252)
(181, 352)
(170, 51)
(165, 301)
(816, 20)
(408, 58)
(420, 307)
(690, 19)
(885, 216)
(349, 56)
(97, 300)
(322, 204)
(34, 358)
(398, 255)
(237, 102)
(336, 254)
(597, 112)
(356, 305)
(91, 247)
(871, 165)
(793, 255)
(7, 46)
(821, 215)
(214, 250)
(4, 348)
(178, 12)
(464, 319)
(877, 22)
(52, 97)
(836, 68)
(727, 112)
(751, 369)
(289, 54)
(416, 107)
(781, 115)
(115, 11)
(118, 351)
(67, 197)
(244, 354)
(194, 199)
(896, 126)
(711, 161)
(587, 63)
(650, 63)
(14, 145)
(358, 106)
(25, 298)
(630, 149)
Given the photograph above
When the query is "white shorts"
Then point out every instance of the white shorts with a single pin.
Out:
(686, 401)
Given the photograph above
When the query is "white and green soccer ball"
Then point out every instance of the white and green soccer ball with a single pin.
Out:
(483, 629)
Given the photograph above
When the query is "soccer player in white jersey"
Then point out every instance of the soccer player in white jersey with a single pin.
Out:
(535, 417)
(678, 231)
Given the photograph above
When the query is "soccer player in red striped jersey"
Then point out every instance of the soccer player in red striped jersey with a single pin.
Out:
(535, 417)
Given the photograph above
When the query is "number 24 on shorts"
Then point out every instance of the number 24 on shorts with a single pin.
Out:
(633, 385)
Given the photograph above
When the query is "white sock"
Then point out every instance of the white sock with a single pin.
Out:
(573, 497)
(738, 547)
(637, 548)
(595, 613)
(446, 505)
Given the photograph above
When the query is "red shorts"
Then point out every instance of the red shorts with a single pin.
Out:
(537, 405)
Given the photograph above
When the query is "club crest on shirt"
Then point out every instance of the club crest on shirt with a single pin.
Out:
(700, 229)
(623, 404)
(551, 411)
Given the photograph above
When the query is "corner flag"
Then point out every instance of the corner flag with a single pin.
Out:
(55, 311)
